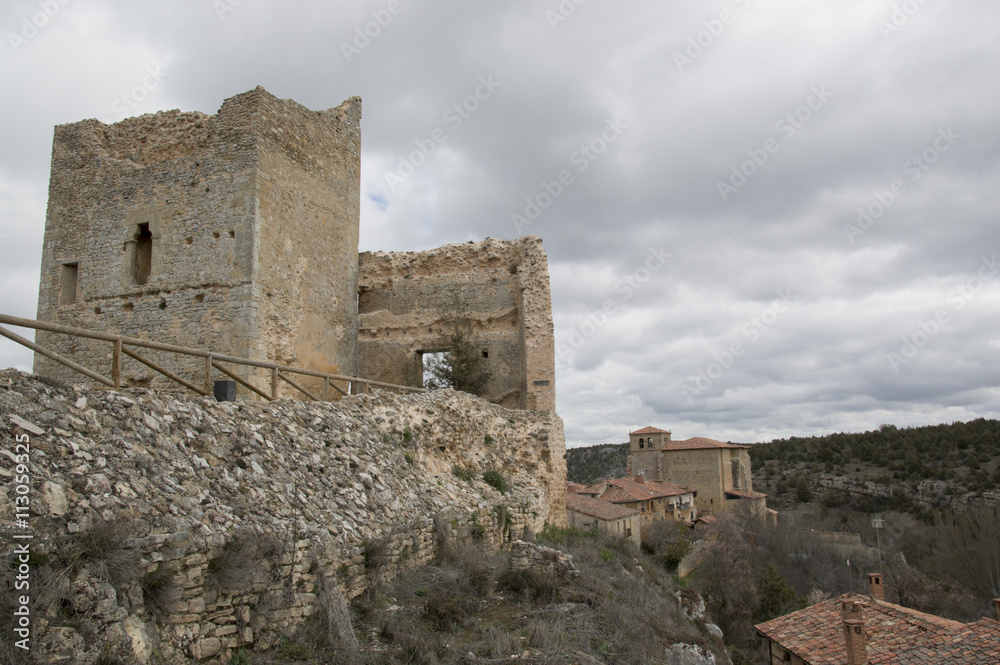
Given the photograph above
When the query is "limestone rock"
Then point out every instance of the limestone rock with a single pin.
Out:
(54, 498)
(714, 630)
(689, 654)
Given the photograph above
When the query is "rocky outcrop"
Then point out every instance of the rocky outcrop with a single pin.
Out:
(534, 557)
(162, 523)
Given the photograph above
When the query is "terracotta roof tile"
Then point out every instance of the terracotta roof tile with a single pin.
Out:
(649, 430)
(603, 510)
(897, 635)
(624, 490)
(697, 443)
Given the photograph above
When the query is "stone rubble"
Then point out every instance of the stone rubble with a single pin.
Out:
(330, 496)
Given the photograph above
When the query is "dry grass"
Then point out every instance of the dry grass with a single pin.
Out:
(242, 558)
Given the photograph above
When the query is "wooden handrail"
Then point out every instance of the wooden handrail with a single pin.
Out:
(211, 360)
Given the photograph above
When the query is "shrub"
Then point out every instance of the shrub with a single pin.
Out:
(375, 552)
(407, 434)
(478, 531)
(495, 480)
(530, 584)
(104, 550)
(463, 474)
(159, 591)
(239, 561)
(444, 610)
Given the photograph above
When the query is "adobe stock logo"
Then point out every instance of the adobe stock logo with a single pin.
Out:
(787, 126)
(752, 330)
(915, 168)
(581, 158)
(699, 43)
(899, 17)
(364, 34)
(455, 117)
(928, 329)
(626, 288)
(127, 102)
(31, 25)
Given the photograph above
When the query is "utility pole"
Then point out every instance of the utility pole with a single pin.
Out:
(878, 522)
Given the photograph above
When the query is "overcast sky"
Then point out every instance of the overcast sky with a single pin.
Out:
(762, 218)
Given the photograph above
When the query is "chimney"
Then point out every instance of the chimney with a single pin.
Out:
(855, 637)
(641, 478)
(875, 588)
(996, 604)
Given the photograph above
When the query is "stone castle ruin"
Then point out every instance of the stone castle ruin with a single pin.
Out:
(238, 233)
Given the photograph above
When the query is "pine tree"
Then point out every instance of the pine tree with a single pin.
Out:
(461, 365)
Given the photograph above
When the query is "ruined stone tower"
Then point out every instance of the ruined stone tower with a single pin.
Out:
(236, 232)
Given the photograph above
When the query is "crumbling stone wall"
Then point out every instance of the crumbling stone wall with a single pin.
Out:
(255, 515)
(235, 232)
(407, 300)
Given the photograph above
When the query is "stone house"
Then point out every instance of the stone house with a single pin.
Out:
(719, 472)
(585, 512)
(654, 501)
(854, 629)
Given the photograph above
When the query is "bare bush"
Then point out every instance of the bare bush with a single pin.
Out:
(241, 559)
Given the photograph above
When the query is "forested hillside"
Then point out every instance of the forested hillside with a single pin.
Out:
(594, 463)
(917, 469)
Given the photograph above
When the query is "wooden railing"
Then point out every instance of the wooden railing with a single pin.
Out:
(211, 361)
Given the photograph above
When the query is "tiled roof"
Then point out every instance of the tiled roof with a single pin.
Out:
(697, 443)
(649, 430)
(624, 490)
(602, 510)
(897, 635)
(574, 488)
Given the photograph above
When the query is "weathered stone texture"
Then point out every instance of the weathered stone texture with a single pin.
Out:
(333, 496)
(407, 299)
(249, 220)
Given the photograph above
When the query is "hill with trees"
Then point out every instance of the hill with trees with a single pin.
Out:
(916, 469)
(592, 464)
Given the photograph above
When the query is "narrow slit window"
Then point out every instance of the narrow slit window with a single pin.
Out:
(68, 274)
(143, 254)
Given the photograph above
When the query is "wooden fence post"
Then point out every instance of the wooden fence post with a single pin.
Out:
(116, 364)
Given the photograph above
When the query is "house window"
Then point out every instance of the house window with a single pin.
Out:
(68, 274)
(143, 255)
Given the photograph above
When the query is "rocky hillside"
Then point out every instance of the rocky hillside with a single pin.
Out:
(183, 528)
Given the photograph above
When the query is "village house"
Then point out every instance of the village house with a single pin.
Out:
(719, 472)
(654, 501)
(587, 513)
(853, 629)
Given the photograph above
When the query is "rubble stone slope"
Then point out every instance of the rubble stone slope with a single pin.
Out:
(253, 515)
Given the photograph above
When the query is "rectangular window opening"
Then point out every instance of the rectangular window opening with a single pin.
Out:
(143, 254)
(68, 274)
(435, 370)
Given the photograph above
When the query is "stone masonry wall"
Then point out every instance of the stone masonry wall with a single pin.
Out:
(309, 191)
(242, 519)
(253, 218)
(407, 299)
